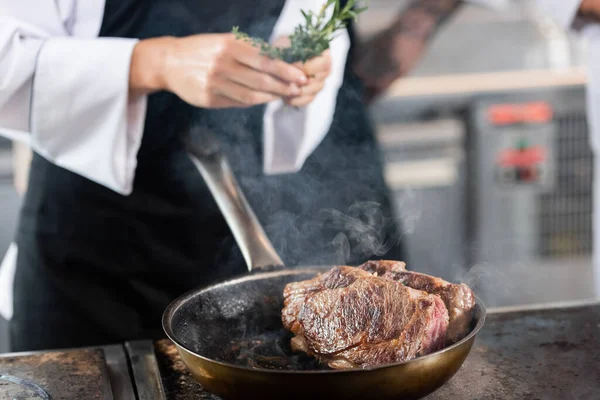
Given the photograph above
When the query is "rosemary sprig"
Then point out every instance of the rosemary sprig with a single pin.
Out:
(311, 38)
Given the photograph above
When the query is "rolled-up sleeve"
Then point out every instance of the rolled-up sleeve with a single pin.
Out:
(70, 89)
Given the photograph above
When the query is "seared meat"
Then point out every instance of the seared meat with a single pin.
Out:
(350, 318)
(295, 294)
(459, 299)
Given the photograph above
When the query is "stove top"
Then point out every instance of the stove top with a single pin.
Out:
(159, 370)
(532, 354)
(90, 374)
(535, 354)
(177, 382)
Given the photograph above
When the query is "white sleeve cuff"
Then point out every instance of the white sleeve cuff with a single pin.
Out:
(82, 118)
(561, 11)
(19, 48)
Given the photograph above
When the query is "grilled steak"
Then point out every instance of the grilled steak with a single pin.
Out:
(350, 318)
(459, 299)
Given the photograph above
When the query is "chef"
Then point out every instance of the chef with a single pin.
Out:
(116, 221)
(583, 16)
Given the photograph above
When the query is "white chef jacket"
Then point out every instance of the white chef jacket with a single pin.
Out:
(77, 108)
(564, 12)
(64, 92)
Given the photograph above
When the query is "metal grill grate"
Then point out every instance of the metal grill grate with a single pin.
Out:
(566, 212)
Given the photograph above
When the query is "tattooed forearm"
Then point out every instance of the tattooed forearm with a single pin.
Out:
(423, 17)
(395, 51)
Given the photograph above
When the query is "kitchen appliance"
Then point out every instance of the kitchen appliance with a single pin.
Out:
(495, 190)
(531, 173)
(500, 178)
(529, 195)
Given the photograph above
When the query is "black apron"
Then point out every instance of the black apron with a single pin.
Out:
(95, 267)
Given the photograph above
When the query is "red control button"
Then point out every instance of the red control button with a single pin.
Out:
(510, 114)
(522, 158)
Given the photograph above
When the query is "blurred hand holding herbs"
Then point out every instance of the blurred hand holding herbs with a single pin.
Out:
(313, 37)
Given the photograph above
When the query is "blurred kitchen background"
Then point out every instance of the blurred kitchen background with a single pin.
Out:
(486, 149)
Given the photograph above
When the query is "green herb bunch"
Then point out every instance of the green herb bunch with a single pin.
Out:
(312, 38)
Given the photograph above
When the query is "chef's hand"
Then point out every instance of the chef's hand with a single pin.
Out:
(316, 69)
(212, 71)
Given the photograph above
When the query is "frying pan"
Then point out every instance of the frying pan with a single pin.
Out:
(230, 335)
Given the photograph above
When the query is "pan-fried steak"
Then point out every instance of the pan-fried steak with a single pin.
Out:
(459, 299)
(350, 318)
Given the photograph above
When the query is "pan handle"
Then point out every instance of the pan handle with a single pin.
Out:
(205, 152)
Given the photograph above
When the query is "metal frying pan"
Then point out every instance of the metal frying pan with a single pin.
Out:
(230, 335)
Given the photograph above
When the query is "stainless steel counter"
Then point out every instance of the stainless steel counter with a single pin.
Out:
(100, 373)
(532, 354)
(538, 352)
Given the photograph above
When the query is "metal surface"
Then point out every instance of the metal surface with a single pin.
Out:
(145, 371)
(205, 152)
(68, 375)
(209, 325)
(73, 374)
(566, 213)
(530, 243)
(178, 382)
(505, 222)
(21, 388)
(118, 372)
(545, 306)
(532, 221)
(533, 354)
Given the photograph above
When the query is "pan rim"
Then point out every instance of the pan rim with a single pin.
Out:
(170, 310)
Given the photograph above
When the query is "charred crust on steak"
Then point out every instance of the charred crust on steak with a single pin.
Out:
(458, 298)
(353, 318)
